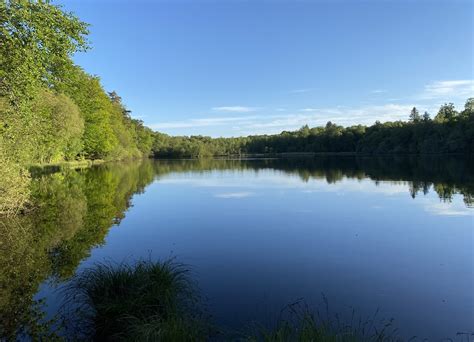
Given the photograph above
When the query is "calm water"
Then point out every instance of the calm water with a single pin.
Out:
(395, 234)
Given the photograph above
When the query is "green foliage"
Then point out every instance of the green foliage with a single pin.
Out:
(299, 323)
(14, 184)
(59, 128)
(50, 109)
(36, 38)
(95, 107)
(446, 113)
(146, 301)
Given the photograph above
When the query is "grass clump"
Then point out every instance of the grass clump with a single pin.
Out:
(299, 323)
(146, 301)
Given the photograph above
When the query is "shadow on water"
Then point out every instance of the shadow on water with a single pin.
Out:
(73, 211)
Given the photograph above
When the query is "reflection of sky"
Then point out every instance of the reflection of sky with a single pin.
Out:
(256, 241)
(228, 181)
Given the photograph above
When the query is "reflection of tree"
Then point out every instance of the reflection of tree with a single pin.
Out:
(447, 175)
(73, 211)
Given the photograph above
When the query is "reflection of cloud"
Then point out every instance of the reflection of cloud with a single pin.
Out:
(234, 195)
(245, 183)
(276, 179)
(448, 209)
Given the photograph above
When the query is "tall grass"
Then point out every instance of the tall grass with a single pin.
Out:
(145, 301)
(157, 301)
(298, 323)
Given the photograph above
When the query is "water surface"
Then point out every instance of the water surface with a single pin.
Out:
(394, 234)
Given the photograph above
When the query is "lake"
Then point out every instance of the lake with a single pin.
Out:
(393, 234)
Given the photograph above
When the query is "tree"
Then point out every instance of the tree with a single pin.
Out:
(60, 128)
(414, 115)
(36, 41)
(426, 117)
(96, 109)
(446, 113)
(36, 37)
(468, 108)
(304, 131)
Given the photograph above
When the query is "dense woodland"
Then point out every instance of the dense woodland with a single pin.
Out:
(53, 111)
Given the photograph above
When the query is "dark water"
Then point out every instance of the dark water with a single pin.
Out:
(394, 234)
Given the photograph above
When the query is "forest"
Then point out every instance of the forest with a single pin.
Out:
(52, 111)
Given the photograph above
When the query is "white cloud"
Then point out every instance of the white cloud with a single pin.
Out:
(378, 91)
(275, 123)
(279, 119)
(346, 116)
(235, 109)
(448, 90)
(202, 122)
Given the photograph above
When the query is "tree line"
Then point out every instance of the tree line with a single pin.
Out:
(450, 131)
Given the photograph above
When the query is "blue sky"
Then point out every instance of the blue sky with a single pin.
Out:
(230, 68)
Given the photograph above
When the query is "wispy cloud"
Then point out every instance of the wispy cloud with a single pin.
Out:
(341, 115)
(275, 123)
(234, 195)
(235, 109)
(448, 90)
(378, 91)
(202, 122)
(266, 121)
